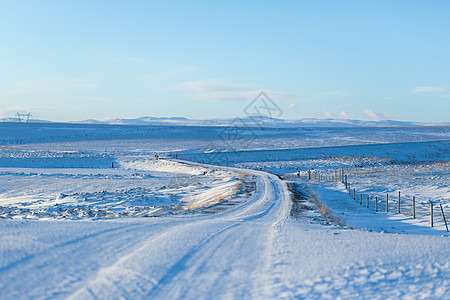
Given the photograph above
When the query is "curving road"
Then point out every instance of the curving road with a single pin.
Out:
(252, 250)
(231, 253)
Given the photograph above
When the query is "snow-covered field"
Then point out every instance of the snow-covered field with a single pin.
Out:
(88, 212)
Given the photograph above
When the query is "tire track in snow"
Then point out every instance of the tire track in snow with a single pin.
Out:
(52, 261)
(189, 263)
(193, 259)
(125, 261)
(198, 256)
(45, 252)
(115, 279)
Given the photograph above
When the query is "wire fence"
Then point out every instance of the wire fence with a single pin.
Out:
(408, 205)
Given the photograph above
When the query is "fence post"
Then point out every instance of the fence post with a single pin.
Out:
(431, 213)
(443, 216)
(414, 207)
(376, 204)
(367, 201)
(354, 194)
(387, 202)
(398, 209)
(360, 199)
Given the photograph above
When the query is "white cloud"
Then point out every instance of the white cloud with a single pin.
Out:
(377, 116)
(428, 89)
(325, 114)
(292, 106)
(343, 115)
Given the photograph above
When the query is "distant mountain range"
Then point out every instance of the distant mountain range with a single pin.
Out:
(247, 121)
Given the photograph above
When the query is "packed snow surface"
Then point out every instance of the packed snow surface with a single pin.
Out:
(173, 212)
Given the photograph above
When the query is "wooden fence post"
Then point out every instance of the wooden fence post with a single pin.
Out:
(376, 204)
(387, 202)
(431, 213)
(398, 209)
(414, 207)
(360, 199)
(354, 194)
(367, 201)
(443, 216)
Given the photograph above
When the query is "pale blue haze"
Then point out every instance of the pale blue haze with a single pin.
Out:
(75, 60)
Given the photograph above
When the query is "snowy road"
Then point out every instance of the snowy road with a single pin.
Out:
(186, 258)
(170, 257)
(252, 250)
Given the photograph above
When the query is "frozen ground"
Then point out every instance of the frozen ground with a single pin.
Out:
(74, 227)
(136, 186)
(420, 170)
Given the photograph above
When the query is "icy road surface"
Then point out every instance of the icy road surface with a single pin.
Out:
(253, 250)
(71, 226)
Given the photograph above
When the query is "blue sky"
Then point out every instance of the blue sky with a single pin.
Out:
(75, 60)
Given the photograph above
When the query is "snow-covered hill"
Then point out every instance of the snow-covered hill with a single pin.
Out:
(269, 122)
(248, 121)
